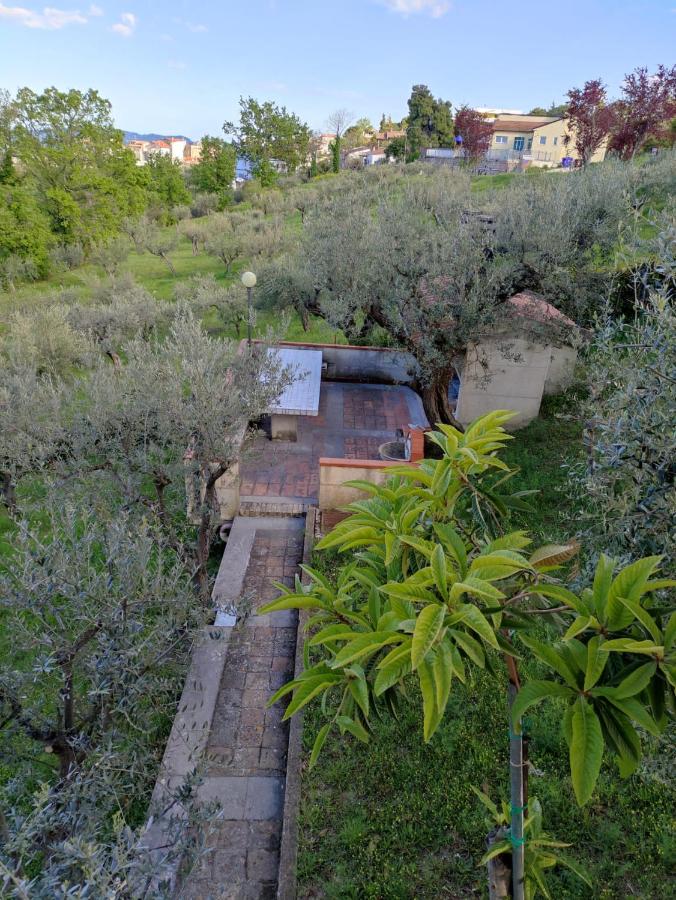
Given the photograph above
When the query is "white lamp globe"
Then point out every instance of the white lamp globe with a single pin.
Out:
(248, 279)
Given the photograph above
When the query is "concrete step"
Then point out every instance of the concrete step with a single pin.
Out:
(274, 506)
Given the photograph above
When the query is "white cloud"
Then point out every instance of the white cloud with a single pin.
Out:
(126, 26)
(95, 10)
(434, 8)
(49, 19)
(195, 27)
(177, 64)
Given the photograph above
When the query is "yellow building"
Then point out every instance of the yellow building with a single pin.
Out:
(534, 141)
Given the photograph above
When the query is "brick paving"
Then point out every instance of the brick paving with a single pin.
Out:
(353, 420)
(247, 746)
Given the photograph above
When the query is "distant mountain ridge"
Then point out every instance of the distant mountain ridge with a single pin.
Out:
(136, 136)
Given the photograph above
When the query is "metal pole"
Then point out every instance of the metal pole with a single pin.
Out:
(249, 315)
(516, 764)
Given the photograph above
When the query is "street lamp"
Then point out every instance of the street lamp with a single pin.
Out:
(249, 282)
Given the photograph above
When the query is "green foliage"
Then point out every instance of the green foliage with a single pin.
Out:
(617, 665)
(166, 183)
(268, 132)
(24, 227)
(85, 179)
(434, 589)
(430, 121)
(541, 852)
(215, 171)
(628, 478)
(396, 149)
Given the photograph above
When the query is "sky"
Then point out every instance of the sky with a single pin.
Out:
(179, 67)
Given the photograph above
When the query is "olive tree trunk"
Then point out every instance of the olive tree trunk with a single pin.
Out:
(434, 396)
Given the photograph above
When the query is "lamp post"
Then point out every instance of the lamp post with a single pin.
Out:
(249, 282)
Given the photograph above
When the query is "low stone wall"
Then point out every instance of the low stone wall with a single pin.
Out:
(288, 851)
(334, 493)
(184, 751)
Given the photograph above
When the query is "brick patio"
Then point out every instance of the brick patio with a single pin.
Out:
(247, 746)
(353, 420)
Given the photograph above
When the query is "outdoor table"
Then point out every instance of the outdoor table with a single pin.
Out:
(301, 397)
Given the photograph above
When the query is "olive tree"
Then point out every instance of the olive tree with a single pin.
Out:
(110, 255)
(32, 429)
(173, 409)
(153, 238)
(411, 264)
(628, 476)
(207, 296)
(100, 612)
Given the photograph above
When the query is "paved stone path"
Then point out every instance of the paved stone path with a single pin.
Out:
(247, 747)
(353, 420)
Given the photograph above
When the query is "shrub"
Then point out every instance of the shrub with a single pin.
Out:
(67, 256)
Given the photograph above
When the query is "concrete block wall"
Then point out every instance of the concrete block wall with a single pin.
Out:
(503, 373)
(561, 370)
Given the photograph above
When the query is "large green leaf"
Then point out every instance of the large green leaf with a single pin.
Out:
(636, 682)
(454, 544)
(360, 692)
(319, 742)
(628, 584)
(634, 710)
(552, 657)
(621, 738)
(629, 645)
(391, 674)
(603, 578)
(438, 566)
(643, 616)
(473, 618)
(427, 627)
(533, 692)
(477, 587)
(428, 691)
(586, 750)
(442, 669)
(346, 723)
(308, 689)
(471, 647)
(596, 662)
(293, 601)
(364, 645)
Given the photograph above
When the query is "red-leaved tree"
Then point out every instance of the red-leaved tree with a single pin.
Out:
(589, 119)
(648, 102)
(475, 132)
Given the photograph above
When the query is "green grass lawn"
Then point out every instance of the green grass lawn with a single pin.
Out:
(397, 818)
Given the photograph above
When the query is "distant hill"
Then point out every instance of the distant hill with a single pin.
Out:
(136, 136)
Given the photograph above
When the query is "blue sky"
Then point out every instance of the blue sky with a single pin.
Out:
(180, 67)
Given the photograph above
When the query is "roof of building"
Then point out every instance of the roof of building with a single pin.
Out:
(389, 135)
(530, 305)
(522, 123)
